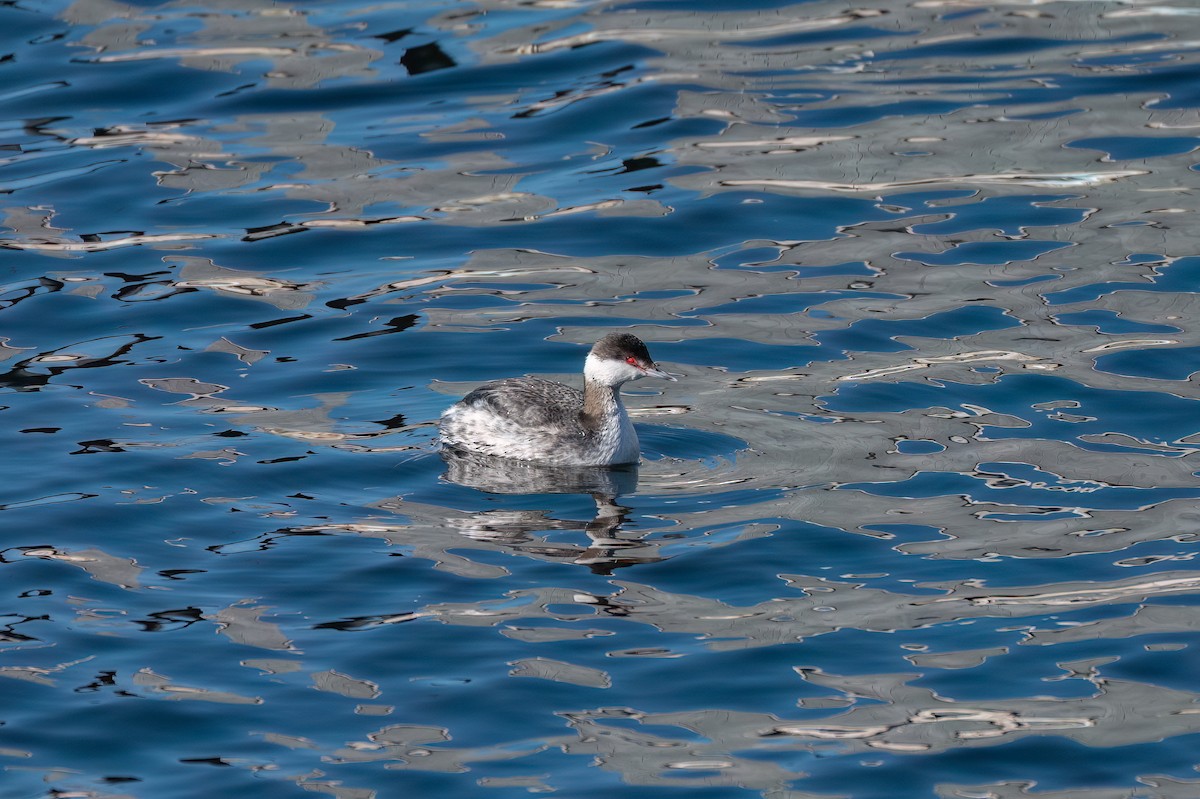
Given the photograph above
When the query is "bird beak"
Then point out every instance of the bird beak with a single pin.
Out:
(653, 371)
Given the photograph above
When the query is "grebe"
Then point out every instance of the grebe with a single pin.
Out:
(532, 419)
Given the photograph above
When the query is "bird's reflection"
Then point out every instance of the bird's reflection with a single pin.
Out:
(506, 476)
(608, 548)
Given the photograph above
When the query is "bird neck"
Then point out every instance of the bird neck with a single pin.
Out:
(601, 403)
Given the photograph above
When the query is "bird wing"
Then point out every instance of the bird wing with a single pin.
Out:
(529, 401)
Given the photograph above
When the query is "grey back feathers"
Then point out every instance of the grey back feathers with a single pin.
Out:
(531, 402)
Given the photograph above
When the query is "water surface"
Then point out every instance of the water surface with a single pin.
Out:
(917, 520)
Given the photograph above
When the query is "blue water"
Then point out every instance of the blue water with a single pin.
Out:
(917, 519)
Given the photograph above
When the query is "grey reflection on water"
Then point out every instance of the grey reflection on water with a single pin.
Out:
(893, 717)
(101, 566)
(300, 54)
(200, 273)
(827, 606)
(508, 476)
(608, 549)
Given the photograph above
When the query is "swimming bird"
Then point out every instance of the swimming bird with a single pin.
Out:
(532, 419)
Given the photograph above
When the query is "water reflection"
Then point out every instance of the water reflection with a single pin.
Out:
(509, 476)
(608, 548)
(930, 486)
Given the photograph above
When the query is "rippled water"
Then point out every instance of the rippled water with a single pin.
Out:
(919, 519)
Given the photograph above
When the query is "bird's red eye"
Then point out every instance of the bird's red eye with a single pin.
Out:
(632, 361)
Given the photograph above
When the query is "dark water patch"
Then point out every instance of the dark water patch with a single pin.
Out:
(1174, 276)
(1164, 363)
(706, 447)
(427, 57)
(473, 300)
(1112, 322)
(799, 271)
(991, 46)
(27, 503)
(1028, 281)
(1027, 661)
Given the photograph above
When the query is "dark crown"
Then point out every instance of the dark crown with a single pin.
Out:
(619, 346)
